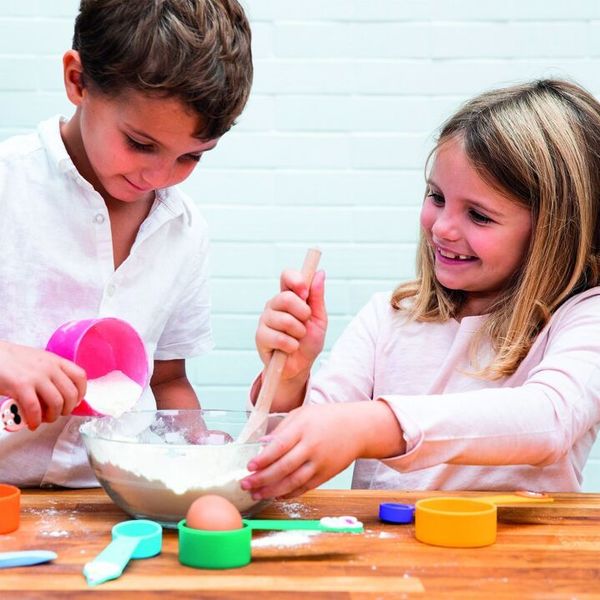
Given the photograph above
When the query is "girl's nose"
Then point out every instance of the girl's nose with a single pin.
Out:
(445, 227)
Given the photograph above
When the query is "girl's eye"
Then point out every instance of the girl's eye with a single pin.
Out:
(138, 146)
(477, 217)
(436, 199)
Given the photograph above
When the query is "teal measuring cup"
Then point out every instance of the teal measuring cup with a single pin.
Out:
(130, 539)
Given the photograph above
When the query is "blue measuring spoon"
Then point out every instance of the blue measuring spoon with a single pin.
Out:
(24, 558)
(130, 539)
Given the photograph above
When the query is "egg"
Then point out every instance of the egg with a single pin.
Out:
(213, 513)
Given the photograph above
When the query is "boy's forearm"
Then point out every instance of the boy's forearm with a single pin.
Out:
(175, 394)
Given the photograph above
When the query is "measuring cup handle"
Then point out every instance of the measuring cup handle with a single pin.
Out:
(109, 564)
(119, 551)
(517, 498)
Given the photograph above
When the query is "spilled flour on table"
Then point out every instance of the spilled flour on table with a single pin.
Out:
(47, 521)
(284, 539)
(293, 510)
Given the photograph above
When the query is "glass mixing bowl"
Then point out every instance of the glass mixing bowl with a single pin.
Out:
(154, 464)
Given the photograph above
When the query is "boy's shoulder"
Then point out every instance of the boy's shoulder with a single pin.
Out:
(20, 146)
(43, 144)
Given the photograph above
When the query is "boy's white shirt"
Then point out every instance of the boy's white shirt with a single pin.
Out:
(532, 430)
(57, 265)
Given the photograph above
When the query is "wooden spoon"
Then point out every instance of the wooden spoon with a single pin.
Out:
(256, 424)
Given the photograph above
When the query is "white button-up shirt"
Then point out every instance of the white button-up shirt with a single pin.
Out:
(57, 265)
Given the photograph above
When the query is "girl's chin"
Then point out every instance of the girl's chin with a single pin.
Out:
(454, 284)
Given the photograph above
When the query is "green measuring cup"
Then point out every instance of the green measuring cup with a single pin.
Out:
(204, 549)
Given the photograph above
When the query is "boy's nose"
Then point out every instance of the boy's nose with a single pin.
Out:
(157, 174)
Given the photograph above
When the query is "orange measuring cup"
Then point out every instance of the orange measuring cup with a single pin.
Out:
(457, 522)
(10, 507)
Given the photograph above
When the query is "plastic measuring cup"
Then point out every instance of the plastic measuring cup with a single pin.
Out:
(98, 346)
(205, 549)
(130, 539)
(10, 508)
(465, 522)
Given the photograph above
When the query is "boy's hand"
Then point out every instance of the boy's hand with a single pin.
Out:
(316, 442)
(44, 384)
(294, 321)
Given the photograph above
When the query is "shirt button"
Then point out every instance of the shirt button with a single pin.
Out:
(99, 218)
(111, 289)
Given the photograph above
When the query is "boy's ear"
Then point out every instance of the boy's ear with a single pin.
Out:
(73, 76)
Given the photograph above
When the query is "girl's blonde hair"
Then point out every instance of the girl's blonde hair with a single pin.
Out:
(538, 143)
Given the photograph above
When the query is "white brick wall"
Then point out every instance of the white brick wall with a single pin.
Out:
(330, 150)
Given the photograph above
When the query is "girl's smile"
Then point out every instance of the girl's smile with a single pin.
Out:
(448, 257)
(478, 235)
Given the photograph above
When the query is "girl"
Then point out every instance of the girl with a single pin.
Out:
(93, 223)
(484, 372)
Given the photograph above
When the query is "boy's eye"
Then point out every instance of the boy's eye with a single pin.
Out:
(139, 146)
(192, 157)
(477, 217)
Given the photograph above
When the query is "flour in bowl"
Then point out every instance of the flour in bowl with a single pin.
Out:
(160, 480)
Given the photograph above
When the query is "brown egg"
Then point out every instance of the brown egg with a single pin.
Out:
(213, 513)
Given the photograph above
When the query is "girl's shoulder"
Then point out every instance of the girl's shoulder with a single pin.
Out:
(587, 300)
(582, 307)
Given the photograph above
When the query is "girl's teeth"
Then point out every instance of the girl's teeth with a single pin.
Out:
(454, 256)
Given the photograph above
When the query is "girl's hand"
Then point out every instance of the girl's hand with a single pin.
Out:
(316, 442)
(44, 384)
(294, 321)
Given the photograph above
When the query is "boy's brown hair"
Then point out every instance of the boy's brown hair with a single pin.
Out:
(196, 50)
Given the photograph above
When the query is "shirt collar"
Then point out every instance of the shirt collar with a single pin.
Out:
(49, 132)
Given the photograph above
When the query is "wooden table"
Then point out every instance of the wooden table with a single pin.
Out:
(546, 552)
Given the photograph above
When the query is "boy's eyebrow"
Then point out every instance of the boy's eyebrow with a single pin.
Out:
(149, 137)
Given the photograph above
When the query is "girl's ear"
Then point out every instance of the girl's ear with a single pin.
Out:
(73, 76)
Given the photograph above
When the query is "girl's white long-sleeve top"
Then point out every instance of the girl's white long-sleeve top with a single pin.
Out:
(532, 430)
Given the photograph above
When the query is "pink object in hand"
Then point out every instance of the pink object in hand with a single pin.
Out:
(98, 346)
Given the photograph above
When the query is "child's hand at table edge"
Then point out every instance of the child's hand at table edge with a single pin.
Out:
(316, 442)
(45, 385)
(294, 321)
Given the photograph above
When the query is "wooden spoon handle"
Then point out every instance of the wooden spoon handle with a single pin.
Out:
(277, 363)
(275, 367)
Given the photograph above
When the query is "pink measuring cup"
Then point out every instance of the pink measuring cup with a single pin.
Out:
(98, 346)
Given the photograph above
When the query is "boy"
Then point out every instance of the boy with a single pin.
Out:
(93, 224)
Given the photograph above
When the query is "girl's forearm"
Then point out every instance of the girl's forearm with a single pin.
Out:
(379, 430)
(290, 393)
